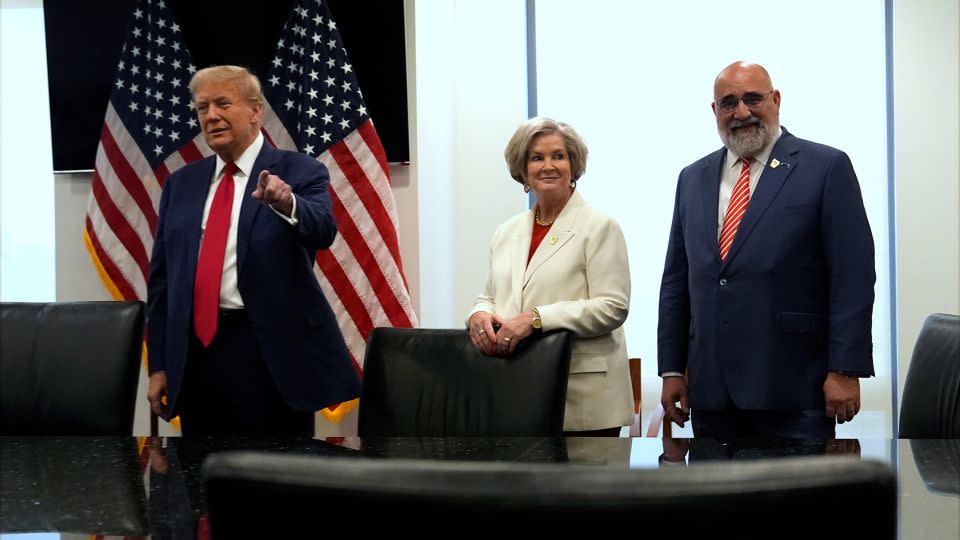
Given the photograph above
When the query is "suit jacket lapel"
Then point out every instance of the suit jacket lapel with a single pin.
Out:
(250, 207)
(558, 235)
(771, 180)
(519, 248)
(710, 201)
(195, 192)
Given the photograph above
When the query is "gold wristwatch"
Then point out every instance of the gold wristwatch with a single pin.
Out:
(536, 323)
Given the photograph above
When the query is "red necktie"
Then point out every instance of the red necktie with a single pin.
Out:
(206, 286)
(737, 206)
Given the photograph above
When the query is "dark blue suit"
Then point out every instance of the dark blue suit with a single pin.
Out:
(293, 326)
(793, 299)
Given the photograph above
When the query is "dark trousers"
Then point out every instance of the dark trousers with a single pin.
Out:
(228, 390)
(730, 424)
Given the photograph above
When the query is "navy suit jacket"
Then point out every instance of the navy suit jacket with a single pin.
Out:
(296, 330)
(794, 297)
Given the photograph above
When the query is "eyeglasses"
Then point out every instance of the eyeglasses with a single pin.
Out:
(750, 99)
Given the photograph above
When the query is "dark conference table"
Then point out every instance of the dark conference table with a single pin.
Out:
(138, 486)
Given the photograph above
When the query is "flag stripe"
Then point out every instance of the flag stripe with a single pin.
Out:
(372, 260)
(368, 195)
(122, 229)
(395, 312)
(95, 259)
(130, 179)
(162, 175)
(189, 152)
(355, 340)
(108, 241)
(370, 137)
(277, 133)
(346, 294)
(133, 155)
(122, 199)
(379, 178)
(380, 181)
(117, 280)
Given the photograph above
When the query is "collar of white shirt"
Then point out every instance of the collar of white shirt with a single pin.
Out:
(246, 159)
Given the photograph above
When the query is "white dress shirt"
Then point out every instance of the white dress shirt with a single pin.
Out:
(229, 292)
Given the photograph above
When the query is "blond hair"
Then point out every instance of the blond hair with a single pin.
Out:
(518, 148)
(247, 83)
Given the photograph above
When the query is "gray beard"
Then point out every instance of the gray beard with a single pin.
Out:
(746, 144)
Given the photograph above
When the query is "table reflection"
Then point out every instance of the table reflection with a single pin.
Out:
(693, 450)
(126, 486)
(86, 484)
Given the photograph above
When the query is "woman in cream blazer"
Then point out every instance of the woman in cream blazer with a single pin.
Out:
(562, 264)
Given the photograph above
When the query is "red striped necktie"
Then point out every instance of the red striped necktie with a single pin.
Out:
(206, 286)
(737, 206)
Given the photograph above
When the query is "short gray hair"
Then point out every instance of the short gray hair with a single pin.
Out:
(247, 82)
(518, 148)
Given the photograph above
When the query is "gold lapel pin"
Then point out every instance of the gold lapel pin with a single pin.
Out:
(774, 163)
(553, 239)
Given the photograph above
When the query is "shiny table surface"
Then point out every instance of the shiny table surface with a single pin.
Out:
(138, 486)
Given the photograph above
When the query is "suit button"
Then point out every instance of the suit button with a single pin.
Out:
(723, 281)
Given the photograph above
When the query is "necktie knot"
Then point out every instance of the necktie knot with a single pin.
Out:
(230, 169)
(746, 161)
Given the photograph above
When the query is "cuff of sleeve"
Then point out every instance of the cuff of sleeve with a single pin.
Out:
(292, 219)
(666, 374)
(850, 374)
(476, 309)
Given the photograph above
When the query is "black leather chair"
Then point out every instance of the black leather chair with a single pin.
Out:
(69, 368)
(286, 496)
(930, 408)
(434, 382)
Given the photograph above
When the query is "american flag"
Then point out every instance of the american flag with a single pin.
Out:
(315, 106)
(150, 130)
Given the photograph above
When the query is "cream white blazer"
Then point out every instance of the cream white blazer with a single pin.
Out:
(579, 280)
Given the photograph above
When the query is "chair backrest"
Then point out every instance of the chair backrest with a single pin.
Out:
(930, 407)
(252, 494)
(69, 368)
(434, 382)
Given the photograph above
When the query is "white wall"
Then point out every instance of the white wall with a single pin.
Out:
(927, 150)
(470, 95)
(26, 160)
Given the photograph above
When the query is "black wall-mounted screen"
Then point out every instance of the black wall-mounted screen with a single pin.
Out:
(84, 40)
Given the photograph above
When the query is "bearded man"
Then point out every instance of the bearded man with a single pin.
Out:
(767, 293)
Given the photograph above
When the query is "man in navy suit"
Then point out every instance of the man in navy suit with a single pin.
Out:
(241, 339)
(767, 292)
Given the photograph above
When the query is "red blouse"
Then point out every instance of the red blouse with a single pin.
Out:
(539, 232)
